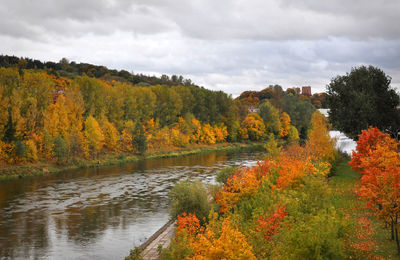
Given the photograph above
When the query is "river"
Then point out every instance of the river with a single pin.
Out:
(98, 213)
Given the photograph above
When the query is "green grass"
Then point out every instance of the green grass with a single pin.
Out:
(372, 232)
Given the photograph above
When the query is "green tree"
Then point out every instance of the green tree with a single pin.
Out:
(300, 113)
(363, 98)
(270, 115)
(139, 139)
(60, 149)
(20, 149)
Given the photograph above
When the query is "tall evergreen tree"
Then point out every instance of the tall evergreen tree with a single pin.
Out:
(139, 139)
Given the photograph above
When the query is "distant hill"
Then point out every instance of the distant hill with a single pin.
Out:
(72, 69)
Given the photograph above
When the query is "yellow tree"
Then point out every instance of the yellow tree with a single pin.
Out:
(230, 244)
(93, 135)
(284, 127)
(207, 134)
(221, 132)
(126, 139)
(194, 138)
(56, 118)
(64, 117)
(253, 127)
(111, 135)
(319, 144)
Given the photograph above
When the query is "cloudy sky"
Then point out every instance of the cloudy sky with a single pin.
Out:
(229, 45)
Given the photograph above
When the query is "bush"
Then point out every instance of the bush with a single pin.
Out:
(135, 254)
(189, 197)
(224, 174)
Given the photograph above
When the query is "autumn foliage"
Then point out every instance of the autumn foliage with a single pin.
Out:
(269, 225)
(264, 211)
(377, 159)
(91, 117)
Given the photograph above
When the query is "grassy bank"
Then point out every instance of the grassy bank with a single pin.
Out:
(370, 239)
(30, 170)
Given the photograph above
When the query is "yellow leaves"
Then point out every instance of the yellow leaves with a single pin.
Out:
(63, 118)
(31, 151)
(285, 125)
(207, 134)
(231, 244)
(125, 141)
(253, 127)
(178, 138)
(319, 145)
(93, 135)
(195, 137)
(221, 132)
(111, 136)
(322, 168)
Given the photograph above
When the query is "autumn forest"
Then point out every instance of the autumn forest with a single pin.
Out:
(54, 115)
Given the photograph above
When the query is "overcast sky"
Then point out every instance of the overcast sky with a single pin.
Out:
(229, 45)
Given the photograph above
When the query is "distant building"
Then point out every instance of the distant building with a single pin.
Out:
(253, 109)
(306, 91)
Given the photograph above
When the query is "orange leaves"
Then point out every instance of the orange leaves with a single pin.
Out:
(367, 141)
(244, 182)
(290, 171)
(188, 222)
(285, 125)
(377, 158)
(270, 224)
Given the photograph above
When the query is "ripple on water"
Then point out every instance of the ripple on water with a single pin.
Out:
(98, 213)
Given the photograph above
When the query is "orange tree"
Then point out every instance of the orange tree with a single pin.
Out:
(377, 159)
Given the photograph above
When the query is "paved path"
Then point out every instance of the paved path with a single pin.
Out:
(161, 237)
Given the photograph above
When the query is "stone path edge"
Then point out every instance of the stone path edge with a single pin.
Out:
(156, 234)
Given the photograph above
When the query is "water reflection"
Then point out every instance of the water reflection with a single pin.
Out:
(98, 213)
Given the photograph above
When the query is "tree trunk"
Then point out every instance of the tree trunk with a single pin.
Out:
(392, 227)
(397, 240)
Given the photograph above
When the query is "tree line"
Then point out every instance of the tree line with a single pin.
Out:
(47, 117)
(73, 69)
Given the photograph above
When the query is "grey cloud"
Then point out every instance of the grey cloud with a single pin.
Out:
(229, 45)
(207, 19)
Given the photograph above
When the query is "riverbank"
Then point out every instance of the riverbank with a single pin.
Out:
(31, 170)
(369, 239)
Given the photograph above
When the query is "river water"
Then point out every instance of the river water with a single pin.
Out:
(98, 213)
(343, 143)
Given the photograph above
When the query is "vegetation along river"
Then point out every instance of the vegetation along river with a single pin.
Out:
(98, 213)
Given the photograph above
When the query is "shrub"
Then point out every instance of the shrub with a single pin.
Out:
(224, 174)
(189, 197)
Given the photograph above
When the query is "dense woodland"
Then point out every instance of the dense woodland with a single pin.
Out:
(49, 115)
